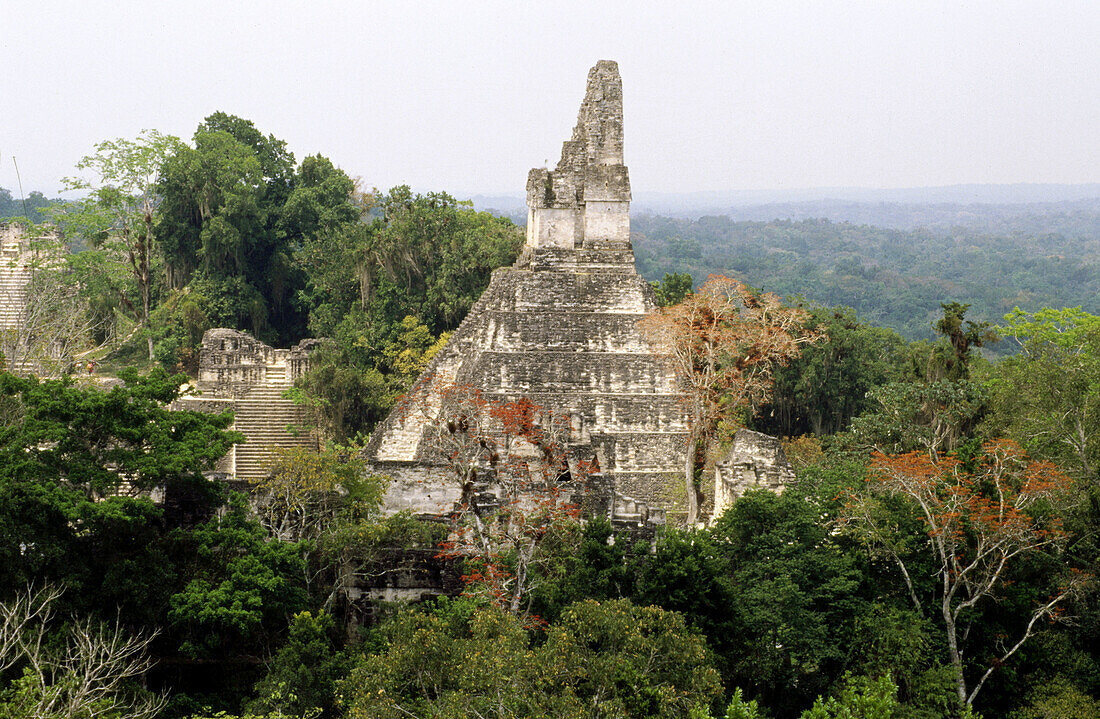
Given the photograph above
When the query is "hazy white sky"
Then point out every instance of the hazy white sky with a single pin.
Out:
(467, 96)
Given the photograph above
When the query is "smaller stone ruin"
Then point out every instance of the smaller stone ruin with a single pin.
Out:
(756, 461)
(239, 372)
(15, 274)
(18, 260)
(232, 362)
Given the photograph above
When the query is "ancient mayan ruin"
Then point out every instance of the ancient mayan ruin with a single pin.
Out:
(15, 274)
(560, 327)
(755, 461)
(34, 336)
(239, 372)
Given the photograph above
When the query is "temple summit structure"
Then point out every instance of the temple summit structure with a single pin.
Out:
(560, 327)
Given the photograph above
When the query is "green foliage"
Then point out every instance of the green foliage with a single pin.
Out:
(65, 450)
(387, 292)
(447, 663)
(795, 596)
(738, 708)
(302, 676)
(235, 208)
(116, 219)
(78, 668)
(827, 385)
(689, 574)
(347, 398)
(439, 252)
(327, 504)
(1058, 699)
(95, 439)
(962, 336)
(931, 416)
(629, 661)
(596, 569)
(937, 408)
(861, 698)
(414, 347)
(672, 289)
(1047, 397)
(428, 256)
(27, 208)
(242, 585)
(177, 326)
(603, 659)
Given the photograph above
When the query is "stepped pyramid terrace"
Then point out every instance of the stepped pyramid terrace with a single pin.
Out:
(560, 327)
(239, 372)
(15, 274)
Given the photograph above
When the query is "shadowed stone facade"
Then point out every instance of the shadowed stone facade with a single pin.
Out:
(560, 327)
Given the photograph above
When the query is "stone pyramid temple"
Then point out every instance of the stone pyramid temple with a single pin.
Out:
(560, 327)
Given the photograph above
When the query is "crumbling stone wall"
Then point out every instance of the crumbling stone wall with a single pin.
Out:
(297, 359)
(231, 361)
(587, 195)
(755, 461)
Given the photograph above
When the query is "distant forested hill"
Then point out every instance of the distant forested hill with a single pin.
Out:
(11, 206)
(895, 278)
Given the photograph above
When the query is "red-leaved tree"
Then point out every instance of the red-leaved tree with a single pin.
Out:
(979, 520)
(519, 485)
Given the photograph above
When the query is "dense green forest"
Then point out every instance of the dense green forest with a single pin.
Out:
(935, 558)
(892, 278)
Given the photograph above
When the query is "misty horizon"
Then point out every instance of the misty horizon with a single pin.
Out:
(769, 96)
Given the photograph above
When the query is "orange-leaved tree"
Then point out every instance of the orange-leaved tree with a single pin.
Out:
(979, 518)
(725, 341)
(519, 488)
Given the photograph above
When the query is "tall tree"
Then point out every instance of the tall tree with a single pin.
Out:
(1047, 397)
(725, 342)
(828, 383)
(980, 521)
(235, 212)
(436, 252)
(938, 406)
(117, 215)
(962, 337)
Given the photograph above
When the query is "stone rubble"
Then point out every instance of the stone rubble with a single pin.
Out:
(755, 461)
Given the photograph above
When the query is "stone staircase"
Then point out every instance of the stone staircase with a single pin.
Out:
(263, 416)
(14, 276)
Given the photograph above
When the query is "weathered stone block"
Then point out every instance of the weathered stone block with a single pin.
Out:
(755, 461)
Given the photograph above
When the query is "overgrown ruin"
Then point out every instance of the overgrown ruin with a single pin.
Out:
(560, 327)
(15, 275)
(239, 372)
(754, 461)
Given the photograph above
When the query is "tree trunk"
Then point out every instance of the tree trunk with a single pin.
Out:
(953, 648)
